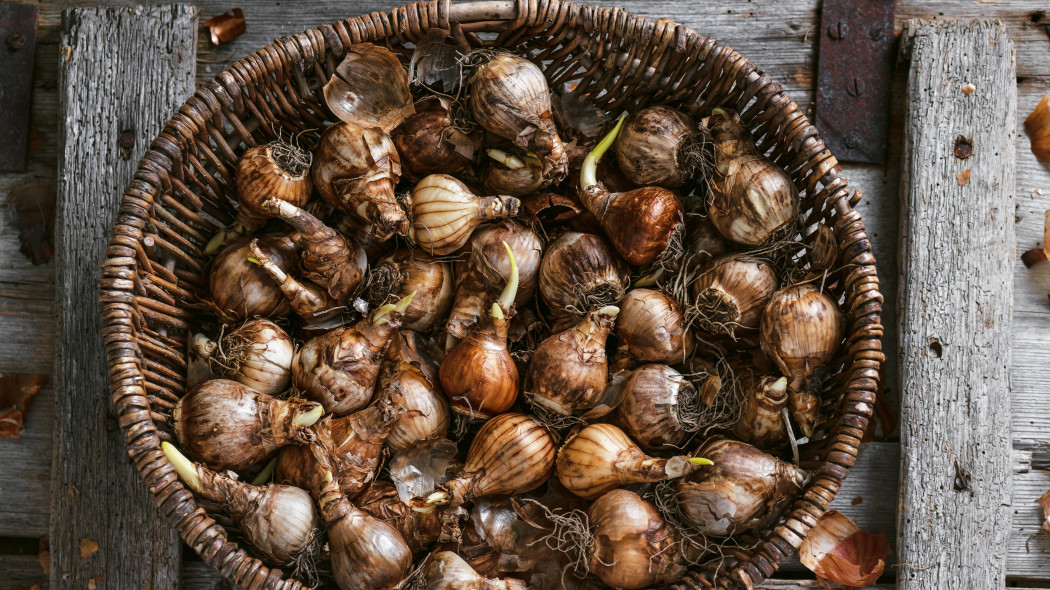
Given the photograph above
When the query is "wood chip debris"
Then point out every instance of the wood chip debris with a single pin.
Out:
(87, 547)
(16, 395)
(226, 27)
(963, 178)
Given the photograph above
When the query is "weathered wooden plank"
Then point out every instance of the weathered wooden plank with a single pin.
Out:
(956, 309)
(124, 70)
(23, 571)
(25, 479)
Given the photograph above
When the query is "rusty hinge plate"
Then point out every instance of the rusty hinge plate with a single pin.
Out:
(854, 71)
(17, 47)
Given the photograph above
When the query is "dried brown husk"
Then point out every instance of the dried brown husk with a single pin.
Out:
(479, 376)
(579, 116)
(240, 289)
(823, 250)
(409, 380)
(580, 272)
(751, 199)
(408, 271)
(420, 530)
(355, 169)
(652, 328)
(742, 490)
(501, 179)
(801, 331)
(569, 370)
(352, 448)
(838, 551)
(658, 146)
(309, 300)
(445, 213)
(437, 62)
(661, 409)
(429, 142)
(226, 425)
(448, 571)
(511, 454)
(484, 268)
(510, 98)
(545, 209)
(257, 354)
(730, 294)
(275, 170)
(362, 233)
(369, 88)
(278, 521)
(1037, 126)
(601, 457)
(761, 422)
(366, 552)
(633, 547)
(339, 369)
(16, 395)
(326, 257)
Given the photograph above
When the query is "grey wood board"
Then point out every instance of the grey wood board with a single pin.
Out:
(956, 310)
(25, 480)
(125, 70)
(23, 571)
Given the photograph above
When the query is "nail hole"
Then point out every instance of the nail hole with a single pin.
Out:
(936, 350)
(1037, 16)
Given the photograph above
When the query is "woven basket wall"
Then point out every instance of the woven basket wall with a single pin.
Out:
(183, 192)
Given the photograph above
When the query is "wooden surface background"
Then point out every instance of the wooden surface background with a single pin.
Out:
(781, 38)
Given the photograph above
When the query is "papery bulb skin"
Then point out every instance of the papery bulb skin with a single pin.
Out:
(653, 147)
(242, 290)
(511, 454)
(761, 422)
(448, 571)
(370, 88)
(633, 546)
(580, 272)
(659, 407)
(600, 457)
(326, 257)
(278, 521)
(752, 200)
(339, 369)
(801, 330)
(257, 354)
(445, 213)
(569, 370)
(483, 269)
(352, 447)
(366, 552)
(419, 529)
(355, 169)
(652, 327)
(408, 271)
(428, 143)
(275, 170)
(641, 223)
(740, 492)
(478, 376)
(408, 379)
(509, 97)
(226, 425)
(518, 181)
(731, 293)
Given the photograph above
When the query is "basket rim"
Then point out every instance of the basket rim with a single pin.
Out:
(122, 319)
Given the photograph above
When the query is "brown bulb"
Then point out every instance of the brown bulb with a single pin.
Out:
(568, 371)
(369, 88)
(599, 277)
(240, 289)
(658, 146)
(731, 293)
(226, 425)
(429, 143)
(652, 327)
(633, 546)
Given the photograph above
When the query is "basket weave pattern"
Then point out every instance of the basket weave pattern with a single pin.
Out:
(153, 277)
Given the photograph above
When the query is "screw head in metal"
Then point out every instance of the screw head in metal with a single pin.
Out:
(855, 87)
(852, 140)
(838, 30)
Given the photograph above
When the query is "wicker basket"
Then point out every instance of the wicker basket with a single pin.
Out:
(183, 190)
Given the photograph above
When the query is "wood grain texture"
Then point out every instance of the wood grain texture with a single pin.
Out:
(778, 35)
(25, 480)
(23, 572)
(956, 309)
(125, 71)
